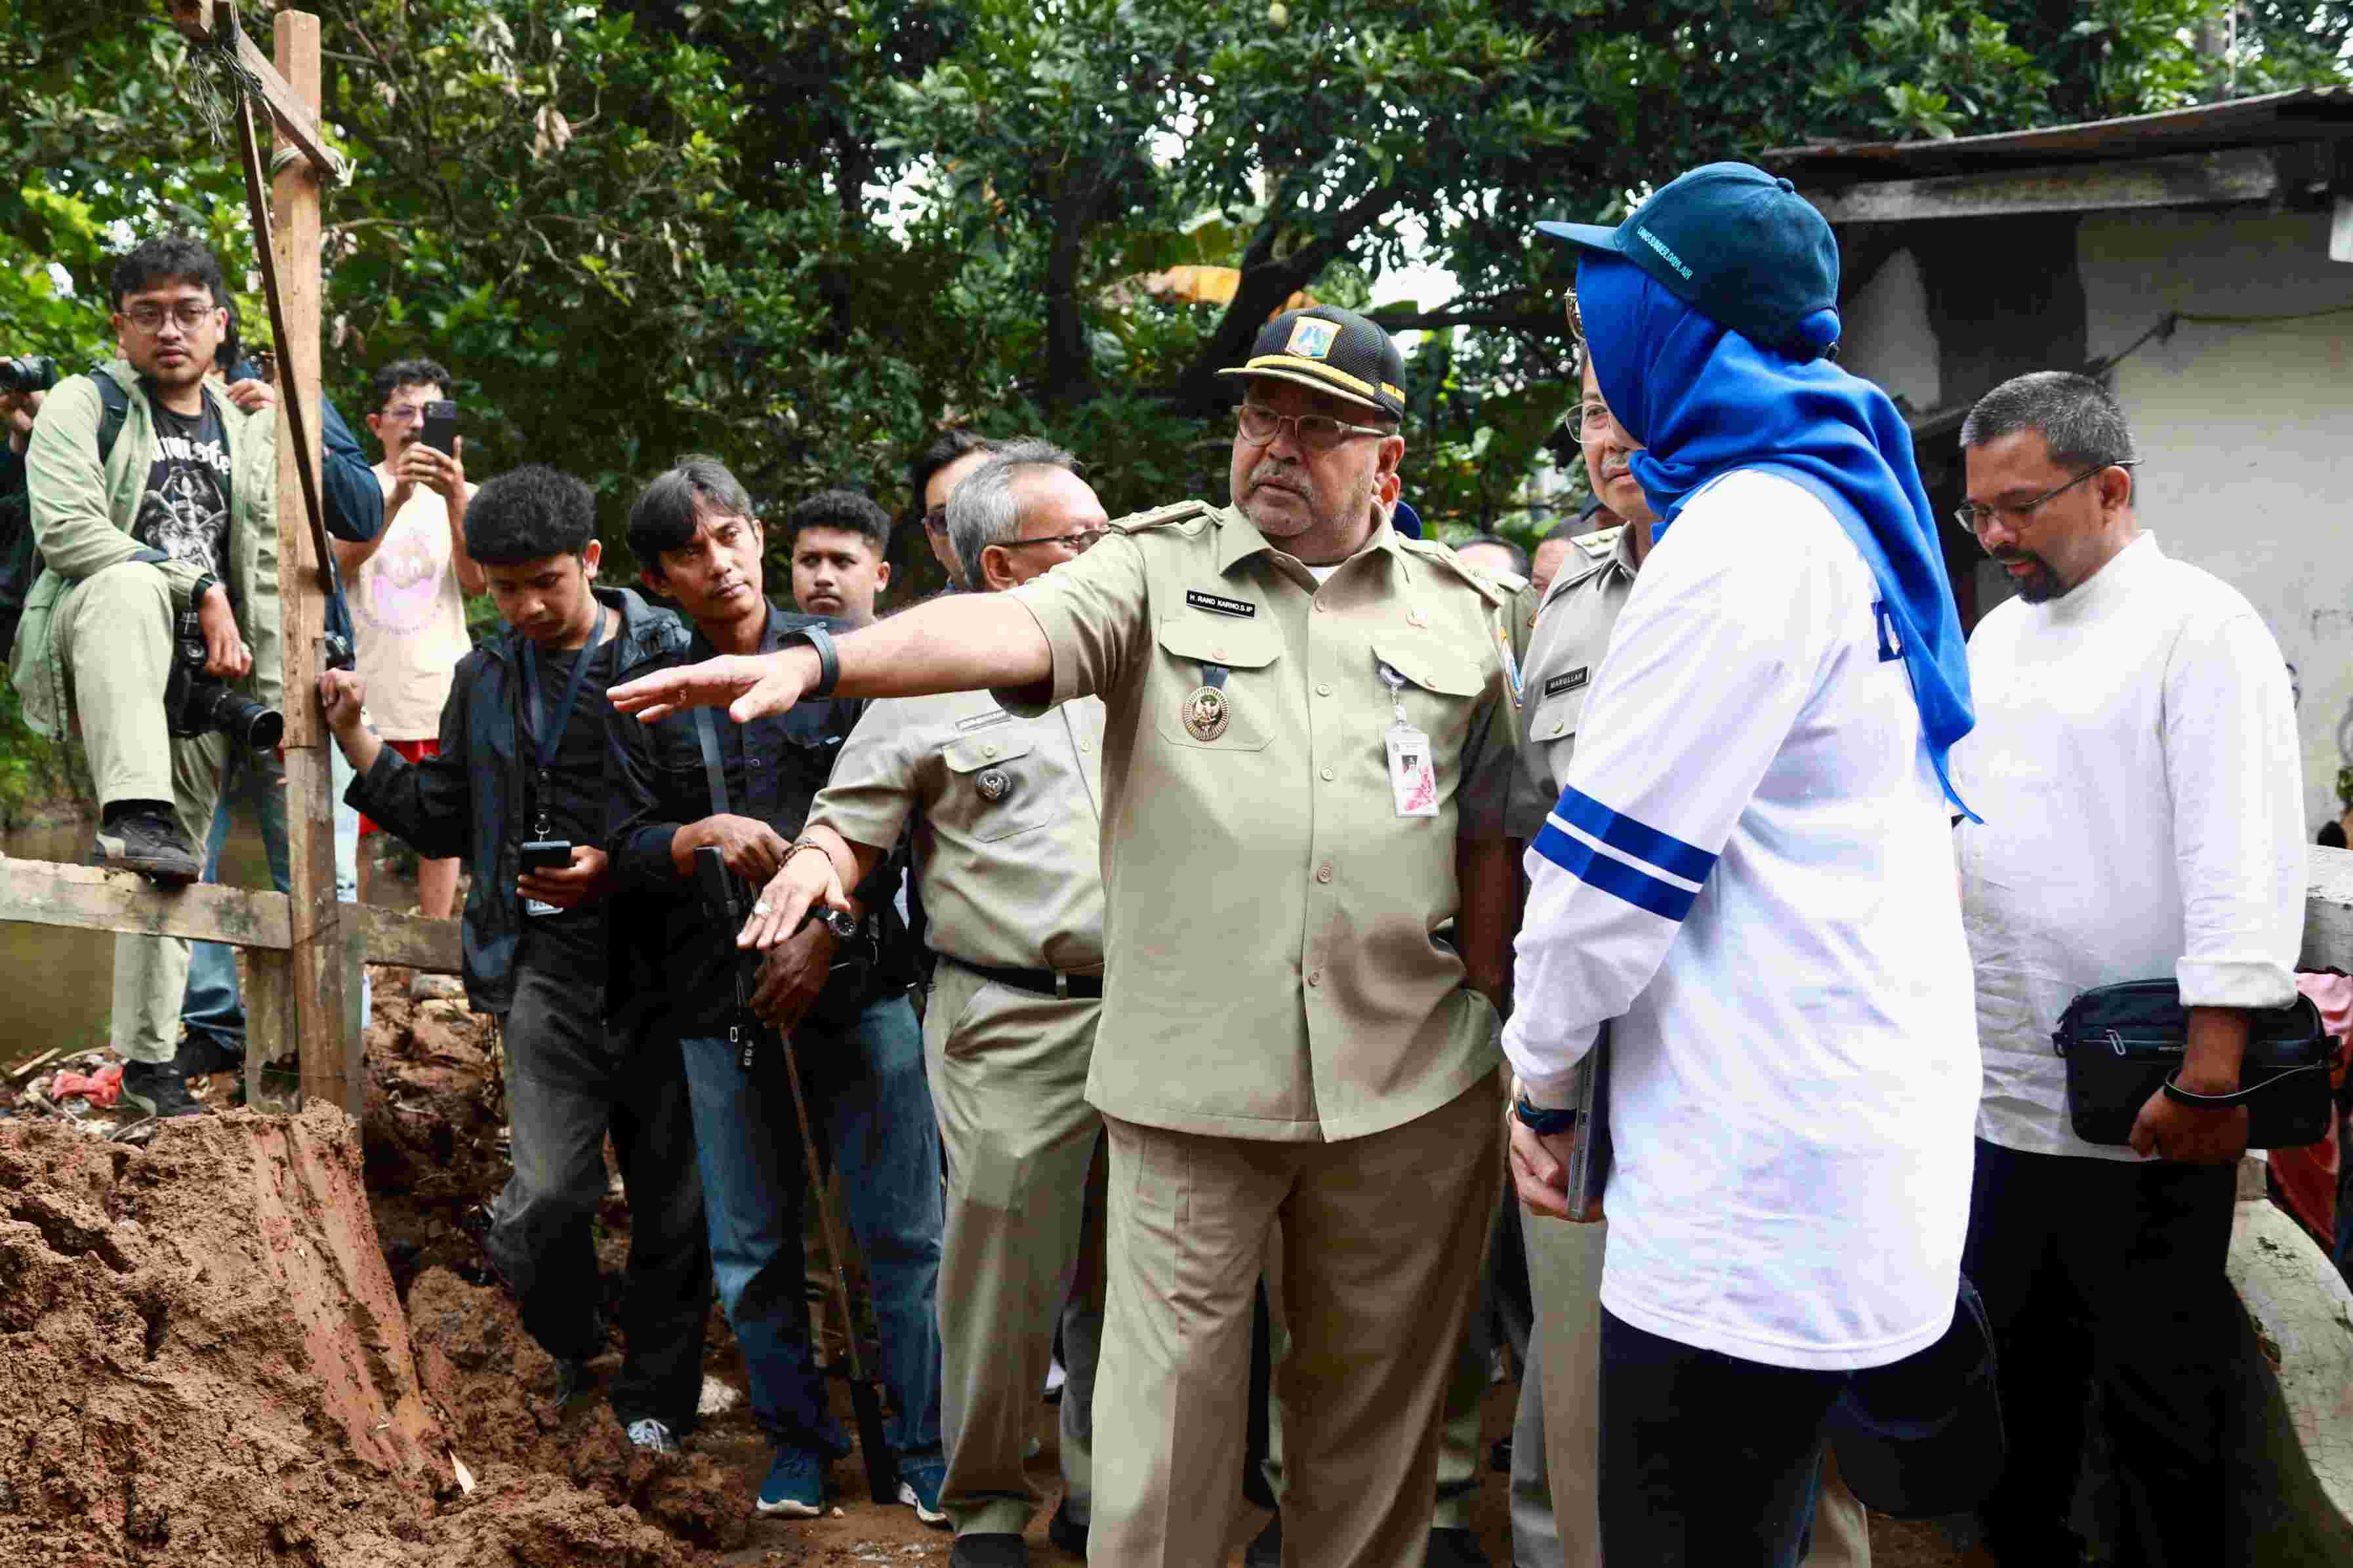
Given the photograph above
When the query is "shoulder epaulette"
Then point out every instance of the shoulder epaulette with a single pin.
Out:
(1587, 565)
(1184, 514)
(1599, 542)
(1495, 591)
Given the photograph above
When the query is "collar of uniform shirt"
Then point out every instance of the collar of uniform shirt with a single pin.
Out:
(1240, 538)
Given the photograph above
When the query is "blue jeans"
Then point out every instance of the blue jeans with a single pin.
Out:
(872, 1106)
(213, 1006)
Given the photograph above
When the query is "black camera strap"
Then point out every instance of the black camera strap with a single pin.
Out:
(706, 735)
(547, 734)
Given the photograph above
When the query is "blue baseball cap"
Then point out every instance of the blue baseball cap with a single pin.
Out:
(1738, 246)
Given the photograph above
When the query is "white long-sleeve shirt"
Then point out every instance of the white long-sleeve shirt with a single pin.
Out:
(1750, 870)
(2135, 762)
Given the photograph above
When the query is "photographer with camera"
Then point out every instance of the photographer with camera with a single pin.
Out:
(744, 790)
(153, 623)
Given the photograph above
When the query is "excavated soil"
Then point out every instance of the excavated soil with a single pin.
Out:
(263, 1339)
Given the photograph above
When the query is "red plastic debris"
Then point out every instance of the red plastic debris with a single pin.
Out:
(102, 1089)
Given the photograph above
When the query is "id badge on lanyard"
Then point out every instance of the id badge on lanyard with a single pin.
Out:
(1413, 776)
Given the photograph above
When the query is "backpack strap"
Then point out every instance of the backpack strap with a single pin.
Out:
(114, 405)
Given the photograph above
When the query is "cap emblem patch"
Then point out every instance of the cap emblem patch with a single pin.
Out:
(1312, 337)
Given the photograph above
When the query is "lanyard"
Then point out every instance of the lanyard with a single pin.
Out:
(547, 735)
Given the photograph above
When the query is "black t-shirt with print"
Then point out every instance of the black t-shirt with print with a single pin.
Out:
(185, 510)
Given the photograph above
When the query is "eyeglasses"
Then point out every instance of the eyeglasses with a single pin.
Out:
(401, 414)
(1315, 432)
(1077, 543)
(190, 314)
(1974, 516)
(1592, 421)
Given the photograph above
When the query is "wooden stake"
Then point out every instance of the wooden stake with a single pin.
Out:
(311, 1003)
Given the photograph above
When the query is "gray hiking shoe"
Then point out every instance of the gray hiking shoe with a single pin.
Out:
(146, 840)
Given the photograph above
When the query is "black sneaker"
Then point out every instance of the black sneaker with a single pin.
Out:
(157, 1088)
(989, 1550)
(202, 1055)
(1068, 1536)
(1265, 1549)
(146, 840)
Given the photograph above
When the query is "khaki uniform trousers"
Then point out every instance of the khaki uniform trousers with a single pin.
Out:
(114, 638)
(1380, 1235)
(1565, 1277)
(1025, 1224)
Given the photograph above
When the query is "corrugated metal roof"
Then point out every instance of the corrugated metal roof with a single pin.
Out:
(2305, 114)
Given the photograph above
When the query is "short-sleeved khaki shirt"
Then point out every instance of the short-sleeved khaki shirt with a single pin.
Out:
(1008, 837)
(1275, 970)
(1569, 633)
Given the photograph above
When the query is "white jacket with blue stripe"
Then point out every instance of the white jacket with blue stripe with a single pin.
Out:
(1751, 871)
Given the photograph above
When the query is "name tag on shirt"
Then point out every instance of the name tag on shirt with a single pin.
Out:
(1218, 605)
(1568, 682)
(983, 721)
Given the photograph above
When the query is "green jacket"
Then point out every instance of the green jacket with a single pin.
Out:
(83, 515)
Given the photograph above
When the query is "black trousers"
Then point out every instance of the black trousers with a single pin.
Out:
(1708, 1461)
(2106, 1276)
(571, 1080)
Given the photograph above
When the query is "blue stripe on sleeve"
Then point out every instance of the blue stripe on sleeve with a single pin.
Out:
(1613, 876)
(1663, 850)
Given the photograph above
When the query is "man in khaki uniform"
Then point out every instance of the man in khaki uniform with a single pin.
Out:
(1556, 1434)
(1008, 858)
(1308, 732)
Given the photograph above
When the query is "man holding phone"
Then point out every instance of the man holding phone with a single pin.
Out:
(409, 584)
(519, 785)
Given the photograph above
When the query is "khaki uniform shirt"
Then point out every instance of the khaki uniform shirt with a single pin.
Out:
(1009, 841)
(1274, 967)
(1569, 632)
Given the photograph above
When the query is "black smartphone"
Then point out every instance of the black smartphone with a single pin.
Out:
(440, 431)
(547, 855)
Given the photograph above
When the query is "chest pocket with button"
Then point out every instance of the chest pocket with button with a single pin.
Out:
(1442, 687)
(1554, 720)
(997, 787)
(1251, 655)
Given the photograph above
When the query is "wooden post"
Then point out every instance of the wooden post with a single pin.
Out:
(309, 1004)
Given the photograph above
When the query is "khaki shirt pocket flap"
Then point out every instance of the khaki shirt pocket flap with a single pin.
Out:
(977, 752)
(1556, 718)
(1431, 667)
(1237, 645)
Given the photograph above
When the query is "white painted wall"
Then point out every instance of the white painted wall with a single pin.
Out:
(1887, 338)
(2245, 430)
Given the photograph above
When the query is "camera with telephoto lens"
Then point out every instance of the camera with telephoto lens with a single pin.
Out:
(197, 702)
(32, 373)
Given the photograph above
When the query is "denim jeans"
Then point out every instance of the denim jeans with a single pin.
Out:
(213, 1006)
(569, 1082)
(871, 1107)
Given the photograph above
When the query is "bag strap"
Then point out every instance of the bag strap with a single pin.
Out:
(706, 736)
(2196, 1101)
(114, 410)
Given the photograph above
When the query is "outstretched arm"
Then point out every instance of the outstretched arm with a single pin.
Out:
(969, 642)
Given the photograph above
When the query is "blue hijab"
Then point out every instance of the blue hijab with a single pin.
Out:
(1704, 401)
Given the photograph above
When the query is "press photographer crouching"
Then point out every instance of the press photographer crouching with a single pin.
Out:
(153, 623)
(744, 790)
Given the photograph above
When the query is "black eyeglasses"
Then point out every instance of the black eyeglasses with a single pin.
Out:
(1973, 516)
(1315, 432)
(1078, 543)
(190, 314)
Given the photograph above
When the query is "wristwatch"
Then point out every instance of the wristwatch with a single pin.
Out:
(828, 663)
(1542, 1123)
(204, 584)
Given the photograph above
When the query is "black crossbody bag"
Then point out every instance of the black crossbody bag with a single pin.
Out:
(2125, 1043)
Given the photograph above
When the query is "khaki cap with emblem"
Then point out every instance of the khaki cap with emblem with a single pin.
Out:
(1333, 351)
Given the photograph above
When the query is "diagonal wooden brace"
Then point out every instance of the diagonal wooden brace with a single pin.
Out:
(200, 21)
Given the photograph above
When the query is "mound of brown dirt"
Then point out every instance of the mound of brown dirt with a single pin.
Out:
(203, 1363)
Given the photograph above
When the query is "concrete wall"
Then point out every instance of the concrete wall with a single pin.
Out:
(2245, 429)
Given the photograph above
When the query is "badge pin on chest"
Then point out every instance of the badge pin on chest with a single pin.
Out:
(994, 785)
(1207, 713)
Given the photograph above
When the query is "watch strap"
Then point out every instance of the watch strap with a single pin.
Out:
(828, 662)
(1543, 1122)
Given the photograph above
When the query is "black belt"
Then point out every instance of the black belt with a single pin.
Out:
(1043, 981)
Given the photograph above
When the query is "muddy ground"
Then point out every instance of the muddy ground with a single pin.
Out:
(198, 1366)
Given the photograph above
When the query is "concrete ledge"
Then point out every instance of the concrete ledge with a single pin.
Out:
(2302, 1317)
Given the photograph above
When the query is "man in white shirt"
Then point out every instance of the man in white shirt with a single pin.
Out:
(1748, 876)
(408, 588)
(2136, 765)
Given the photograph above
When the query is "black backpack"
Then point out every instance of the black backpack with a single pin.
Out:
(20, 559)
